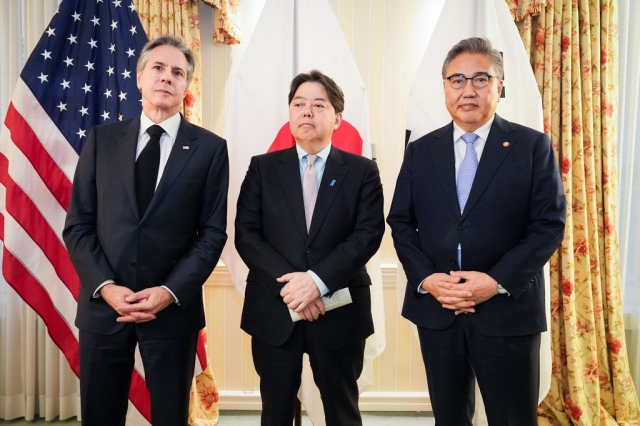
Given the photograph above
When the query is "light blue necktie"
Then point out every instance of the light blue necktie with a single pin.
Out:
(466, 173)
(467, 170)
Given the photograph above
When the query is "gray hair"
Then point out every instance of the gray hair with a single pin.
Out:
(168, 40)
(475, 45)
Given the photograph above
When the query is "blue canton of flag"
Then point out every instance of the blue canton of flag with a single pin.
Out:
(83, 69)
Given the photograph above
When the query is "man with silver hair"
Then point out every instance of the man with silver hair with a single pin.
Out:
(145, 227)
(478, 210)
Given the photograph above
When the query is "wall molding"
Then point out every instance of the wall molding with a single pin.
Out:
(369, 401)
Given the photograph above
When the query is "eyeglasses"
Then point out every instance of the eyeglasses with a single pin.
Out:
(479, 81)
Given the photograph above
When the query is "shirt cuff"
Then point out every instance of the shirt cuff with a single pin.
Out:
(170, 292)
(96, 294)
(321, 285)
(422, 290)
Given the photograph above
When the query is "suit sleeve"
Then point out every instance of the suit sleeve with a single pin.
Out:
(253, 248)
(193, 269)
(79, 234)
(404, 226)
(546, 228)
(351, 255)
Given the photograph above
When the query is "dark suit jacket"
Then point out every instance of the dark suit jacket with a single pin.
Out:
(271, 237)
(513, 222)
(176, 243)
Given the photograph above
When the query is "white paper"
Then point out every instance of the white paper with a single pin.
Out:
(339, 298)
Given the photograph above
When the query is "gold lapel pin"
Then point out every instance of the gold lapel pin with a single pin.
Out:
(505, 144)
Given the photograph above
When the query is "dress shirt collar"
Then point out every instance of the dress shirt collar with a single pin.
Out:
(170, 125)
(482, 131)
(324, 154)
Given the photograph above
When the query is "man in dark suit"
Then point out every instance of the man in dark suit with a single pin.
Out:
(478, 210)
(145, 227)
(299, 248)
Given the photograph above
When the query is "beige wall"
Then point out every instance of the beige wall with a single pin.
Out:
(387, 38)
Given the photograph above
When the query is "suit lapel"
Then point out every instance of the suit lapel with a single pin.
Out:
(444, 162)
(499, 144)
(127, 144)
(289, 173)
(184, 147)
(334, 175)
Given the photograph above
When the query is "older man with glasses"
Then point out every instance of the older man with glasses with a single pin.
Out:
(478, 209)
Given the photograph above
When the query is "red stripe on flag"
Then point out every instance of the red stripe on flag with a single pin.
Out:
(201, 349)
(139, 395)
(25, 212)
(32, 292)
(23, 137)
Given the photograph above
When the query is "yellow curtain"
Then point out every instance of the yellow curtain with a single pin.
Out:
(573, 50)
(181, 17)
(227, 21)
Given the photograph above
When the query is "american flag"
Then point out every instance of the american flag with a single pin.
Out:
(81, 73)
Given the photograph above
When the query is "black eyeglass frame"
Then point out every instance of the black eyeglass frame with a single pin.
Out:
(473, 80)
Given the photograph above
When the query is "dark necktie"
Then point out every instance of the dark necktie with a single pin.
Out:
(147, 168)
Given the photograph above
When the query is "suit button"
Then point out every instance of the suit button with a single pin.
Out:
(133, 265)
(143, 226)
(307, 250)
(462, 226)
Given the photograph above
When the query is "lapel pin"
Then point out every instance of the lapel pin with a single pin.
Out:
(185, 147)
(505, 144)
(332, 182)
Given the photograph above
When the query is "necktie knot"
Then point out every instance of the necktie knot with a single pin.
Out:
(469, 138)
(311, 158)
(155, 130)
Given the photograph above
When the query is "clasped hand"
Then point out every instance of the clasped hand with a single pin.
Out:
(300, 293)
(461, 297)
(139, 306)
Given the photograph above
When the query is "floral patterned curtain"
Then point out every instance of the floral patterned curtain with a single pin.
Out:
(227, 21)
(181, 17)
(573, 51)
